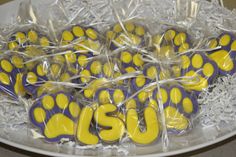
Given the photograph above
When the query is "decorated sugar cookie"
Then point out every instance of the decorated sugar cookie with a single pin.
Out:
(152, 131)
(178, 104)
(224, 56)
(37, 81)
(11, 76)
(130, 34)
(112, 128)
(86, 40)
(56, 116)
(199, 71)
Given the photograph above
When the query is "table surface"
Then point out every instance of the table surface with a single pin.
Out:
(225, 148)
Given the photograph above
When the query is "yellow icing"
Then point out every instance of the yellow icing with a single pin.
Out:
(41, 70)
(180, 39)
(137, 60)
(166, 50)
(118, 96)
(110, 35)
(130, 104)
(139, 30)
(94, 45)
(176, 70)
(58, 125)
(129, 26)
(152, 72)
(104, 97)
(44, 42)
(164, 96)
(18, 87)
(4, 78)
(208, 69)
(126, 57)
(85, 76)
(157, 39)
(223, 60)
(153, 103)
(108, 69)
(67, 36)
(136, 40)
(70, 57)
(32, 36)
(140, 81)
(17, 61)
(175, 95)
(62, 101)
(152, 126)
(233, 46)
(65, 77)
(198, 83)
(39, 115)
(142, 96)
(185, 61)
(187, 105)
(225, 40)
(48, 102)
(117, 28)
(175, 120)
(116, 127)
(213, 43)
(92, 34)
(78, 31)
(184, 47)
(74, 109)
(169, 35)
(20, 37)
(96, 67)
(83, 134)
(82, 60)
(55, 69)
(197, 61)
(59, 58)
(6, 65)
(12, 45)
(130, 69)
(31, 78)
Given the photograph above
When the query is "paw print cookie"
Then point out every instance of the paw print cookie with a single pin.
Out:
(178, 104)
(36, 81)
(56, 116)
(202, 70)
(224, 57)
(130, 35)
(85, 40)
(11, 76)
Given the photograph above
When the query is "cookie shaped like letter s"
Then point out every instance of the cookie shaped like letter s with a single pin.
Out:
(152, 126)
(116, 126)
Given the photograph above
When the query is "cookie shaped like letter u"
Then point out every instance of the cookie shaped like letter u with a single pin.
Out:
(152, 126)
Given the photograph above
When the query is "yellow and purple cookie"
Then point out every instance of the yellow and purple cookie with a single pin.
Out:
(25, 39)
(11, 77)
(224, 56)
(130, 35)
(84, 39)
(56, 116)
(199, 71)
(179, 105)
(109, 95)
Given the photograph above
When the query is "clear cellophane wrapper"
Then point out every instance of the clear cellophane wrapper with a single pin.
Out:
(118, 77)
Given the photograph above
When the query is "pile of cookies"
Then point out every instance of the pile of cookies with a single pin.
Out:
(99, 88)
